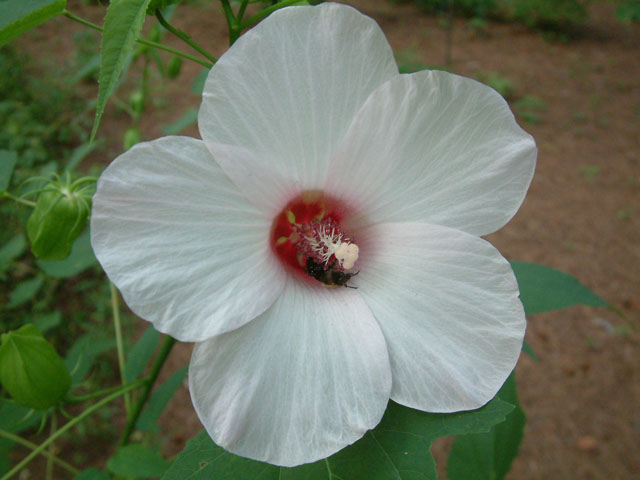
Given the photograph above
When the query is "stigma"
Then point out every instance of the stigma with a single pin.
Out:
(326, 243)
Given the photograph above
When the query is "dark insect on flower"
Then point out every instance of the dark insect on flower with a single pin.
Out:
(330, 276)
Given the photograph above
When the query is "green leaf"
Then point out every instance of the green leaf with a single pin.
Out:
(5, 452)
(189, 118)
(31, 370)
(92, 474)
(488, 456)
(46, 321)
(10, 250)
(160, 400)
(16, 418)
(90, 69)
(397, 449)
(80, 258)
(526, 348)
(24, 292)
(543, 289)
(122, 26)
(8, 159)
(83, 354)
(138, 462)
(198, 84)
(141, 353)
(19, 16)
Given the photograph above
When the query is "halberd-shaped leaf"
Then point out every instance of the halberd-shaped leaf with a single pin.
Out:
(31, 370)
(543, 289)
(397, 449)
(8, 159)
(488, 456)
(137, 461)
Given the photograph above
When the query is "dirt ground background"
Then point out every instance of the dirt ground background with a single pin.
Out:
(582, 216)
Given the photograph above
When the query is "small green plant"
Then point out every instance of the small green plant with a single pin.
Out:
(559, 15)
(478, 25)
(625, 213)
(555, 15)
(628, 11)
(529, 109)
(467, 8)
(500, 84)
(409, 61)
(590, 171)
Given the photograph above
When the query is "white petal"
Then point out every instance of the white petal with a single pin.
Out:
(307, 378)
(187, 250)
(438, 148)
(447, 303)
(277, 103)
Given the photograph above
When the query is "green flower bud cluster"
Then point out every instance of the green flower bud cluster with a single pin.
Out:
(31, 370)
(59, 217)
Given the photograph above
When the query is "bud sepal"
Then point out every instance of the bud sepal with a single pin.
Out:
(59, 217)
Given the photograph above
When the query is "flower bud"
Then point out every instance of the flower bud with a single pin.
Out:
(174, 66)
(131, 137)
(154, 34)
(31, 370)
(136, 100)
(58, 218)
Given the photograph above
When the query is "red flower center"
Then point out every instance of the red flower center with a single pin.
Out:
(308, 236)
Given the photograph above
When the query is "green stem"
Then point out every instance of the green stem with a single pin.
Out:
(33, 446)
(266, 12)
(124, 106)
(143, 41)
(183, 36)
(232, 21)
(19, 200)
(119, 344)
(51, 456)
(100, 393)
(165, 349)
(67, 426)
(241, 10)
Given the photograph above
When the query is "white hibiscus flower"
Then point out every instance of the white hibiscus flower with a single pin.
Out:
(320, 162)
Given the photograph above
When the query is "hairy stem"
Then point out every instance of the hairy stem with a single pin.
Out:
(32, 446)
(119, 344)
(19, 200)
(266, 12)
(143, 41)
(184, 37)
(241, 10)
(52, 448)
(100, 393)
(67, 426)
(232, 22)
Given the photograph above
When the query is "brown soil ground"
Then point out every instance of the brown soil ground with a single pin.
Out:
(582, 216)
